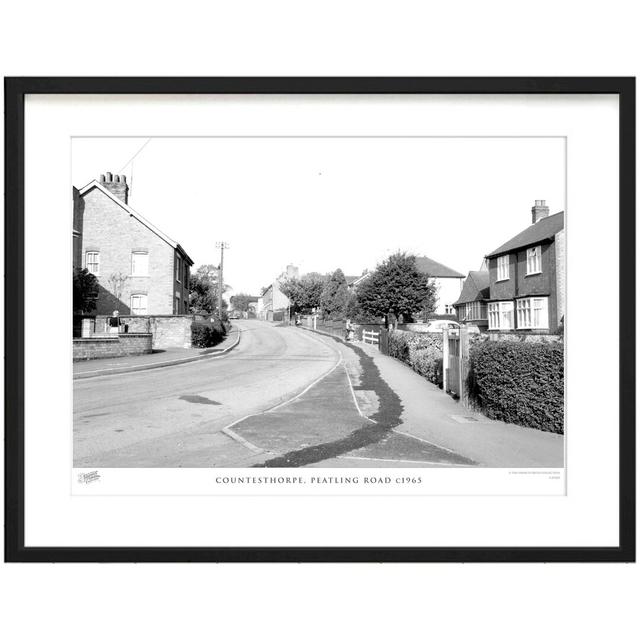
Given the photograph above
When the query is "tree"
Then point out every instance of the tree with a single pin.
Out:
(203, 290)
(85, 291)
(396, 286)
(242, 301)
(304, 293)
(335, 296)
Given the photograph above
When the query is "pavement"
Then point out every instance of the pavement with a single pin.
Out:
(157, 359)
(436, 418)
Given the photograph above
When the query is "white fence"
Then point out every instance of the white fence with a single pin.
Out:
(370, 337)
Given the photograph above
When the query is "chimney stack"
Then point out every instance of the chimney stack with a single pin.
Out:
(293, 271)
(116, 184)
(539, 211)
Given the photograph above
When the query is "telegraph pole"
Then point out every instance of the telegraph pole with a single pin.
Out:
(222, 246)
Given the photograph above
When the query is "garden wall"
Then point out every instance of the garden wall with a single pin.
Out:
(167, 331)
(125, 344)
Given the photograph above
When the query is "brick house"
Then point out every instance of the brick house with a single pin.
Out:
(140, 270)
(527, 277)
(471, 306)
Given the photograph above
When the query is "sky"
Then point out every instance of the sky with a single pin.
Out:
(328, 203)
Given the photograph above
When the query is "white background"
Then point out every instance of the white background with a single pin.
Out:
(53, 517)
(371, 38)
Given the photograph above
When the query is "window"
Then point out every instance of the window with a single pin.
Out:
(501, 315)
(139, 304)
(178, 269)
(448, 309)
(533, 313)
(139, 263)
(475, 311)
(92, 262)
(503, 267)
(534, 261)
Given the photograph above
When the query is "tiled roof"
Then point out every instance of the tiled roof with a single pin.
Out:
(476, 287)
(435, 269)
(544, 229)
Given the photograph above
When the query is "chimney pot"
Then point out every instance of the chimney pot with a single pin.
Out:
(539, 211)
(117, 184)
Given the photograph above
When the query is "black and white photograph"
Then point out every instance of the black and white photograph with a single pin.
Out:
(319, 302)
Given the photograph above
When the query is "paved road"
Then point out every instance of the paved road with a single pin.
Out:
(174, 416)
(285, 397)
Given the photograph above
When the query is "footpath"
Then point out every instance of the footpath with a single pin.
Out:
(165, 358)
(430, 414)
(435, 417)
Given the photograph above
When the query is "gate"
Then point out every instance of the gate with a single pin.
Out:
(455, 362)
(370, 337)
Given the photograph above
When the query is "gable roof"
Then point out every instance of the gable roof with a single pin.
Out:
(544, 229)
(435, 269)
(476, 287)
(94, 184)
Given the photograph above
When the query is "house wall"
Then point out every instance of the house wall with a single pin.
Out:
(78, 213)
(503, 289)
(109, 229)
(280, 301)
(560, 275)
(521, 285)
(180, 284)
(448, 291)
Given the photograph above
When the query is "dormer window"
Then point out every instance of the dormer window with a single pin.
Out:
(534, 260)
(503, 267)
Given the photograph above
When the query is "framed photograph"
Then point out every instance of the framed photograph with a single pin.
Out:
(320, 319)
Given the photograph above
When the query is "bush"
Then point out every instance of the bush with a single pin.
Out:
(205, 335)
(421, 351)
(519, 382)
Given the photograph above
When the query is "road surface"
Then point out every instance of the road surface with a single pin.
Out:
(283, 397)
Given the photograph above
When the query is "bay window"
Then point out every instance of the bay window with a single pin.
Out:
(533, 313)
(501, 315)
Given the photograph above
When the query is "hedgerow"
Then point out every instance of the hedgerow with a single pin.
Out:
(421, 351)
(519, 382)
(207, 334)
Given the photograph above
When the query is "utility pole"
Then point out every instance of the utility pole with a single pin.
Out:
(222, 246)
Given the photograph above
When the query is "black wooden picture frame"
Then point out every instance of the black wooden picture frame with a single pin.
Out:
(15, 91)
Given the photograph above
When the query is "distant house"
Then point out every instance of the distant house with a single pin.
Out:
(527, 277)
(448, 283)
(140, 270)
(471, 306)
(252, 305)
(273, 305)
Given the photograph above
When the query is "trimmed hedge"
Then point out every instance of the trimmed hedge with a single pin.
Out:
(207, 334)
(421, 351)
(519, 382)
